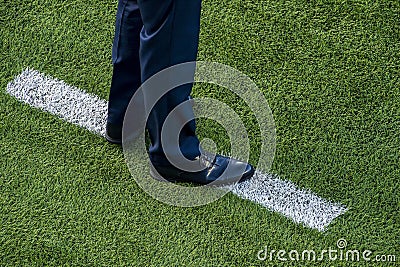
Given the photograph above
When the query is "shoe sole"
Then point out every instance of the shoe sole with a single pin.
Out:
(113, 140)
(157, 177)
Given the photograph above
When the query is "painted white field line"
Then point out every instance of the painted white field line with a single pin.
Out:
(55, 96)
(89, 111)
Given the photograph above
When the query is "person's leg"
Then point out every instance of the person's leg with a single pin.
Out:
(126, 77)
(169, 37)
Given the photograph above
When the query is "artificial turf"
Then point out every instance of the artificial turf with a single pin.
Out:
(330, 73)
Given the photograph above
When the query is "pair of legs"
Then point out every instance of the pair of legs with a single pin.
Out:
(151, 35)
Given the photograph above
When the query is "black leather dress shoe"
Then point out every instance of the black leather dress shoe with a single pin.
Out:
(213, 172)
(114, 133)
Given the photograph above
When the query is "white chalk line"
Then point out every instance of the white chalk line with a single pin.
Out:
(90, 112)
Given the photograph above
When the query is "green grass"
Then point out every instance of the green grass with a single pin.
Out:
(330, 72)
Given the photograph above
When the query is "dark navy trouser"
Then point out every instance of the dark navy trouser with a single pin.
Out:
(151, 35)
